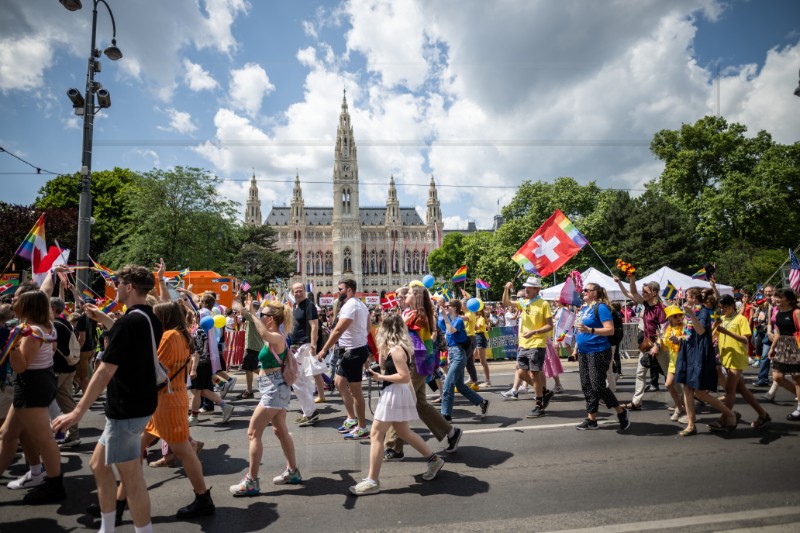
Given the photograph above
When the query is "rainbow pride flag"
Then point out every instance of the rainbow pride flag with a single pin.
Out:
(33, 241)
(700, 274)
(461, 275)
(552, 245)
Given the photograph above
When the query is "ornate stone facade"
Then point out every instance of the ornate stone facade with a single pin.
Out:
(381, 247)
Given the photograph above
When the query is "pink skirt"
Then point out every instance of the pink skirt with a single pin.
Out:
(552, 364)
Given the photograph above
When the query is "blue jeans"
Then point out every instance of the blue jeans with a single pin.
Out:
(455, 378)
(763, 369)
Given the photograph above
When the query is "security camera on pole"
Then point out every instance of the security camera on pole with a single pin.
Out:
(85, 105)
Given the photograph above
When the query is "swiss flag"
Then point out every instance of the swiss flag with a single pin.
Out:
(553, 244)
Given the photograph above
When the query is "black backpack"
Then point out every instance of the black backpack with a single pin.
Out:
(616, 316)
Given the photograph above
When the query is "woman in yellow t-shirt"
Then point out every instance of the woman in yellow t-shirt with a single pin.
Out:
(734, 334)
(481, 343)
(671, 341)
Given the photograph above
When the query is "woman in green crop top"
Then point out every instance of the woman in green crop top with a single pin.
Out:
(275, 394)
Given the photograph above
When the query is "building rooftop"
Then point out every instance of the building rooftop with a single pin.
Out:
(323, 216)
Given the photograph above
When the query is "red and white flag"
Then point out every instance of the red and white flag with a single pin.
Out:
(389, 301)
(42, 266)
(794, 271)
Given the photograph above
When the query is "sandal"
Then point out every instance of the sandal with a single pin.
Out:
(630, 406)
(760, 422)
(717, 425)
(688, 432)
(163, 462)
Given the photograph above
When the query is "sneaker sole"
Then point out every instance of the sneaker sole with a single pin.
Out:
(452, 448)
(432, 476)
(245, 494)
(366, 493)
(588, 428)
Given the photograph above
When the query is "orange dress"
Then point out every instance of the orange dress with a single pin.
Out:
(169, 422)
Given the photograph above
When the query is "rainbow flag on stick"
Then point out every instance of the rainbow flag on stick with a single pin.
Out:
(34, 242)
(553, 244)
(460, 276)
(88, 294)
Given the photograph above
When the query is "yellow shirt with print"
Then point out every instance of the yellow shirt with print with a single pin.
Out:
(533, 316)
(469, 323)
(732, 353)
(480, 325)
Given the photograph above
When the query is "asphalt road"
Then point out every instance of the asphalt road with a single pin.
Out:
(509, 474)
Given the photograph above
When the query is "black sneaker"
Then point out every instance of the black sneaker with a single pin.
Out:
(624, 421)
(392, 455)
(587, 425)
(201, 506)
(484, 407)
(536, 412)
(51, 491)
(548, 395)
(452, 442)
(448, 418)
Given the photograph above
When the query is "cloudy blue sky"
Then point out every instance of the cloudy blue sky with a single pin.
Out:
(480, 94)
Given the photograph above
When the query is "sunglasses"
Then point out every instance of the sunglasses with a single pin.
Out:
(588, 290)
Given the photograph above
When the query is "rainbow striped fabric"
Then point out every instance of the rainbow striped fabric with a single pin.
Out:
(552, 245)
(700, 274)
(33, 241)
(461, 275)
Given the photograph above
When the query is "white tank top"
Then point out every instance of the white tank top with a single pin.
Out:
(44, 357)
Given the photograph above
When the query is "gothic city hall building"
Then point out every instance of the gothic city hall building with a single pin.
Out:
(382, 248)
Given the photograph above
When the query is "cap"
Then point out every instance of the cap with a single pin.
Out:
(727, 299)
(533, 281)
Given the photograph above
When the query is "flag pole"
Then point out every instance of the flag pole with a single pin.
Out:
(768, 279)
(601, 259)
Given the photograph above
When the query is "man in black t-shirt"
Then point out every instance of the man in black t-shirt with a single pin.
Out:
(128, 370)
(305, 328)
(65, 373)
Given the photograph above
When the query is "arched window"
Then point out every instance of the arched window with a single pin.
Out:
(416, 262)
(328, 264)
(382, 262)
(310, 264)
(318, 262)
(347, 261)
(373, 262)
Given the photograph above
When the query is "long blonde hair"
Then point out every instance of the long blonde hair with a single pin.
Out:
(393, 332)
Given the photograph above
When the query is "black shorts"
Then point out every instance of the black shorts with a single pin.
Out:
(531, 359)
(351, 367)
(481, 341)
(203, 379)
(35, 388)
(250, 361)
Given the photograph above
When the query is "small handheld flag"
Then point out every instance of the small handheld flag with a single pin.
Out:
(794, 271)
(670, 292)
(482, 285)
(700, 274)
(245, 286)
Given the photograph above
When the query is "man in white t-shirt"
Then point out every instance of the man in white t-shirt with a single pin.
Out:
(351, 331)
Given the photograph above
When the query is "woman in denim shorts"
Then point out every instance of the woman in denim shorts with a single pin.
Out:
(275, 395)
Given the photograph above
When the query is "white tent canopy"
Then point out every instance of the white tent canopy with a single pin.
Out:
(590, 275)
(679, 281)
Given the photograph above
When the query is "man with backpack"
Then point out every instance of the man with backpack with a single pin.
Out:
(67, 356)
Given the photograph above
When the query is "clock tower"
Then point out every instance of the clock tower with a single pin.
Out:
(347, 247)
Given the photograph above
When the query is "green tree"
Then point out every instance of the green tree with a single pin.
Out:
(445, 260)
(177, 214)
(258, 259)
(60, 225)
(110, 205)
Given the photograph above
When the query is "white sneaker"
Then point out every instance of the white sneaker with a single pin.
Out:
(558, 389)
(27, 481)
(227, 412)
(510, 394)
(684, 419)
(676, 415)
(367, 486)
(231, 383)
(193, 420)
(433, 468)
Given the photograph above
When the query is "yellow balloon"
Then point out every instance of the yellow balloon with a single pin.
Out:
(416, 283)
(219, 321)
(481, 306)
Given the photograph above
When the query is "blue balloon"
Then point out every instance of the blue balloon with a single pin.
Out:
(206, 323)
(474, 305)
(428, 281)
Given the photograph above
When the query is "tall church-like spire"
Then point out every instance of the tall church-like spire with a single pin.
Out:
(346, 222)
(252, 214)
(433, 217)
(298, 206)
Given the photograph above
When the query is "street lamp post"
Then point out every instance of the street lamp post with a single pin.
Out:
(86, 106)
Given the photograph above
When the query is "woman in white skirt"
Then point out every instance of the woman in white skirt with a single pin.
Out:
(396, 406)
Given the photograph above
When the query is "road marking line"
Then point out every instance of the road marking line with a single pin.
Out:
(690, 521)
(529, 428)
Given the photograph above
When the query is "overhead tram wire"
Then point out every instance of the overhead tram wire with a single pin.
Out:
(38, 170)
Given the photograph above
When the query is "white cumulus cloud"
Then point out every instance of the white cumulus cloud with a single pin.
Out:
(248, 87)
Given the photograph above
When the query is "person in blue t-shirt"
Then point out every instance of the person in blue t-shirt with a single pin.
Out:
(593, 351)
